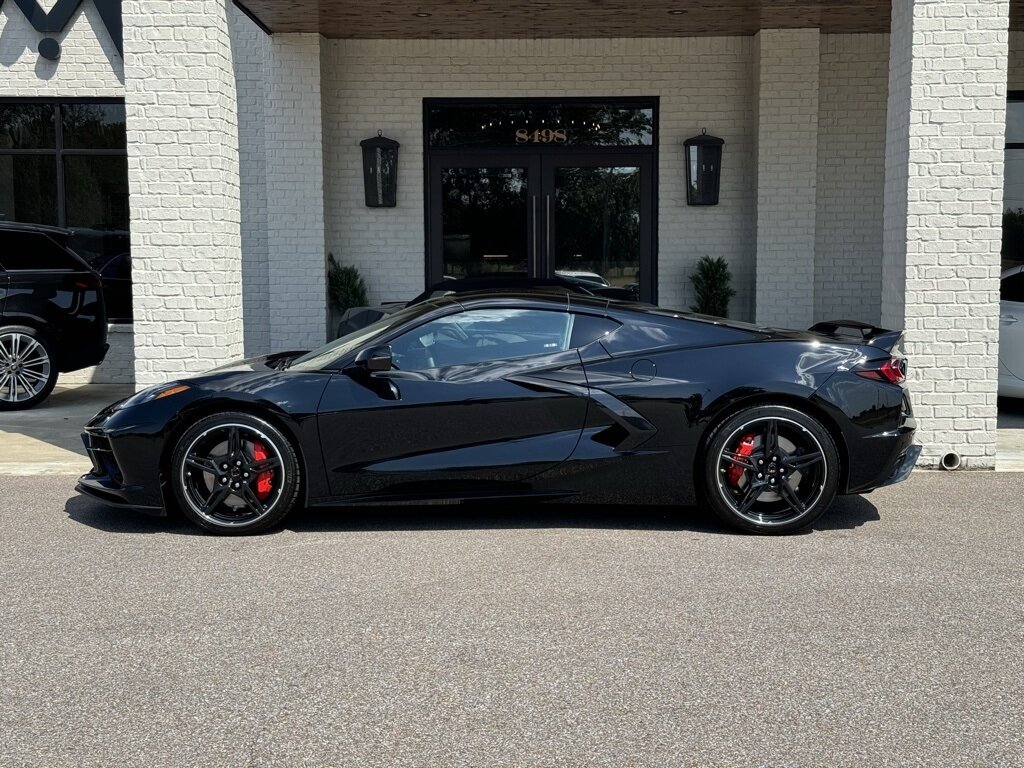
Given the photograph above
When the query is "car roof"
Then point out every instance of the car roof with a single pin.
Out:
(44, 228)
(596, 304)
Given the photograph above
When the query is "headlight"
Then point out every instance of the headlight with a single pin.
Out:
(158, 392)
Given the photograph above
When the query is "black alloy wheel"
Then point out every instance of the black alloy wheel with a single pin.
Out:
(233, 473)
(771, 469)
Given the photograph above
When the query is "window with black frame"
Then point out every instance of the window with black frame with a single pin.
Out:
(65, 163)
(1013, 182)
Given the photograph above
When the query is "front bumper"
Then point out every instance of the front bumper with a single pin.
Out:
(104, 490)
(118, 477)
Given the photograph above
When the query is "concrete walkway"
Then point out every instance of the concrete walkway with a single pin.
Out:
(47, 439)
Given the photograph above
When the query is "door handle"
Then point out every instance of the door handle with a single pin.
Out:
(1007, 319)
(547, 231)
(536, 256)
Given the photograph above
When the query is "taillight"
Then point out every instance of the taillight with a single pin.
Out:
(89, 283)
(893, 370)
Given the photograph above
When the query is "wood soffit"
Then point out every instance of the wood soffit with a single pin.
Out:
(491, 19)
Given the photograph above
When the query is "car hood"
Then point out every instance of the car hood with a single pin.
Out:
(275, 362)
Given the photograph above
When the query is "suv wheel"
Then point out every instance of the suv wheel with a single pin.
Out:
(28, 372)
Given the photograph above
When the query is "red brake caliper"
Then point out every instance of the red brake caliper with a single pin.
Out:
(746, 448)
(263, 480)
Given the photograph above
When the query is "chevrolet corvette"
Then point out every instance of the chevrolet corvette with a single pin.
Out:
(531, 396)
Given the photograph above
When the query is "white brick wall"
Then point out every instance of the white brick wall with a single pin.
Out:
(786, 63)
(184, 186)
(944, 166)
(250, 47)
(295, 191)
(372, 85)
(853, 79)
(89, 64)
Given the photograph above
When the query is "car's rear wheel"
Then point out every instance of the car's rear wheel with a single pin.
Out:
(28, 372)
(770, 469)
(233, 473)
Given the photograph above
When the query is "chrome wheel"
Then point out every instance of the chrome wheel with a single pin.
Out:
(232, 475)
(25, 367)
(772, 471)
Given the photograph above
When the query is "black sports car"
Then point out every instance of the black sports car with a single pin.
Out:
(527, 396)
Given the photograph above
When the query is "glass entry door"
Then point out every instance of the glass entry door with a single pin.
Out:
(598, 220)
(586, 217)
(483, 215)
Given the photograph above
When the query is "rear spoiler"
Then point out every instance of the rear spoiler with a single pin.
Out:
(862, 332)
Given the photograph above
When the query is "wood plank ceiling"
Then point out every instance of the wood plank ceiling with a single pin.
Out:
(382, 19)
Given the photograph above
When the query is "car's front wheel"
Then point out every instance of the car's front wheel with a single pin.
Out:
(233, 473)
(28, 372)
(770, 469)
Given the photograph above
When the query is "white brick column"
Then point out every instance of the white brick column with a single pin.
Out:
(295, 193)
(183, 185)
(786, 63)
(943, 205)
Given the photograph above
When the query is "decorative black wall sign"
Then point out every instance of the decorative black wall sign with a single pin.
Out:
(56, 20)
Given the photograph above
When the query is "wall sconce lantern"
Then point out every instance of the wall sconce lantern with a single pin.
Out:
(703, 168)
(380, 171)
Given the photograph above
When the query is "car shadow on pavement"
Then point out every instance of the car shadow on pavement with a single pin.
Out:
(846, 513)
(104, 517)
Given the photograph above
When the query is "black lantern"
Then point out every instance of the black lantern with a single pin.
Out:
(703, 168)
(380, 171)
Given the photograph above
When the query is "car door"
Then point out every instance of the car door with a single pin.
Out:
(477, 401)
(1011, 324)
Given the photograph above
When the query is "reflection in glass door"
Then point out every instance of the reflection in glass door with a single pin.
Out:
(596, 216)
(483, 212)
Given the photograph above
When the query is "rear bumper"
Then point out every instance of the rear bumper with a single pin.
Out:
(904, 466)
(87, 357)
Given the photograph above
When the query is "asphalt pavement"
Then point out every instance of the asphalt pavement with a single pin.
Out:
(892, 635)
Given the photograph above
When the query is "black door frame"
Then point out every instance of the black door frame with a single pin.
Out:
(542, 157)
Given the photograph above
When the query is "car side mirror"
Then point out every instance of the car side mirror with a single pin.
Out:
(375, 359)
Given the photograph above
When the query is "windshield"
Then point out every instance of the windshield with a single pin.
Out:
(346, 345)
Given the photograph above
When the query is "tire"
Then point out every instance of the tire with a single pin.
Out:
(235, 474)
(776, 491)
(28, 369)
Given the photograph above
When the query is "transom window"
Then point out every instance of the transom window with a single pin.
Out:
(541, 123)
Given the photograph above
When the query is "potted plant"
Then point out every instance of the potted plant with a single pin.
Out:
(346, 289)
(712, 283)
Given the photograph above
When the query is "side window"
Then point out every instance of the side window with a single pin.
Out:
(647, 330)
(480, 336)
(586, 329)
(1012, 288)
(33, 251)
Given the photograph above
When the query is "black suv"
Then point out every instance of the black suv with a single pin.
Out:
(52, 316)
